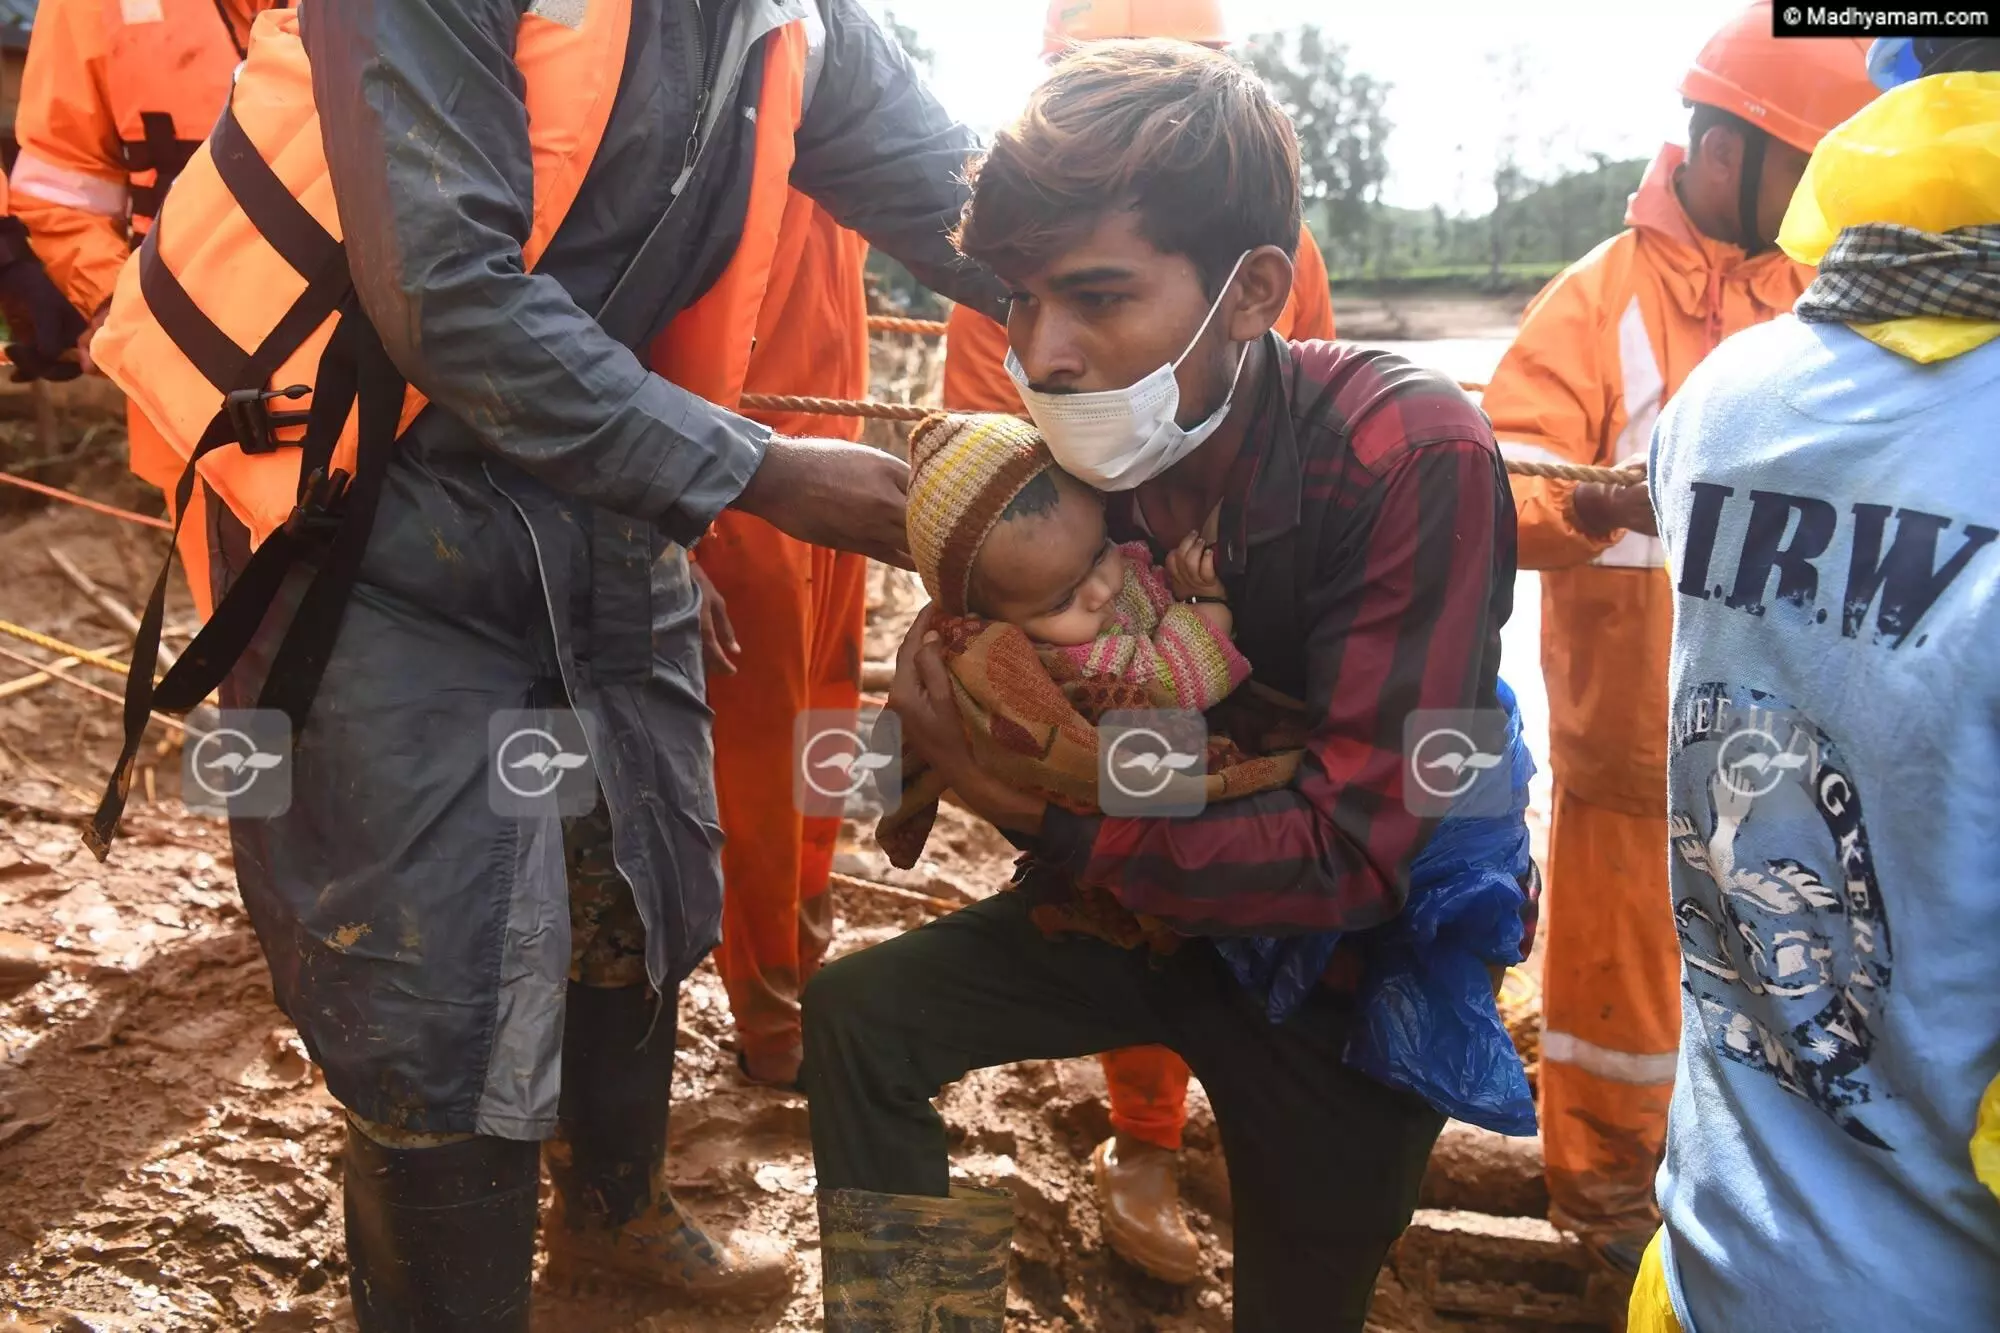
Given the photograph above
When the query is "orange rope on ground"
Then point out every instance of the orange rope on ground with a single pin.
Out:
(929, 328)
(848, 407)
(71, 497)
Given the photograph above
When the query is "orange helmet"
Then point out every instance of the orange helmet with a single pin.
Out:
(1795, 89)
(1073, 21)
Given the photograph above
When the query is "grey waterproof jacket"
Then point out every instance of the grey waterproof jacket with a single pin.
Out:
(529, 542)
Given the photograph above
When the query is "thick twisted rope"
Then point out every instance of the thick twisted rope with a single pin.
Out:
(850, 407)
(927, 328)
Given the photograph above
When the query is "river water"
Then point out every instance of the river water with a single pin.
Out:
(1472, 360)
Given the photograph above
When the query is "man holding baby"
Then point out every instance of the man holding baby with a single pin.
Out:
(1353, 512)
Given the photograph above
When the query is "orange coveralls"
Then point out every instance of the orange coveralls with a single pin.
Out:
(113, 91)
(1599, 351)
(1148, 1083)
(797, 611)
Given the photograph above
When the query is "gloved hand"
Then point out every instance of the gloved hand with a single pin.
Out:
(41, 324)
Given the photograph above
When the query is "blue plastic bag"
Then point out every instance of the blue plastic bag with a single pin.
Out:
(1428, 1022)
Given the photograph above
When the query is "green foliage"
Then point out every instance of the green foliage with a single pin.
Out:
(1343, 132)
(1541, 228)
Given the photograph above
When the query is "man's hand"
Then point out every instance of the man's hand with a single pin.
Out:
(921, 697)
(1602, 509)
(89, 336)
(42, 326)
(1191, 569)
(718, 636)
(833, 493)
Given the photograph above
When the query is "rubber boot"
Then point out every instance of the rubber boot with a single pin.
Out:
(440, 1240)
(612, 1217)
(1139, 1207)
(910, 1263)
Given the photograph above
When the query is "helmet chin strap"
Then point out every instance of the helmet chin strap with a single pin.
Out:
(1749, 187)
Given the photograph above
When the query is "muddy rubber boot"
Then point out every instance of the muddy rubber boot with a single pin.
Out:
(612, 1218)
(1139, 1206)
(440, 1240)
(909, 1263)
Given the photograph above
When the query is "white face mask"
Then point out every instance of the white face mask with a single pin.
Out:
(1115, 439)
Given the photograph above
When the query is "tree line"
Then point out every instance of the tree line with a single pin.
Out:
(1534, 228)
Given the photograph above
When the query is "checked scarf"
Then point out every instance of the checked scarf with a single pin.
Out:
(1880, 271)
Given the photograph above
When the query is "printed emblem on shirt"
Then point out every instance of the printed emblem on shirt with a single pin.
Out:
(1783, 929)
(141, 11)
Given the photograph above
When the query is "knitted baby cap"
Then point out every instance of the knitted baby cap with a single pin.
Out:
(965, 469)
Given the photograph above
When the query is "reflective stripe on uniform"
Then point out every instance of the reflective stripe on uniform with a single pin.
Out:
(1618, 1066)
(39, 178)
(1645, 391)
(1519, 451)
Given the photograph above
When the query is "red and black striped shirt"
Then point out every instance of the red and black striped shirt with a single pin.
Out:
(1367, 544)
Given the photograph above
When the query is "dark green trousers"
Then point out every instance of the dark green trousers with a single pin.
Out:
(1324, 1164)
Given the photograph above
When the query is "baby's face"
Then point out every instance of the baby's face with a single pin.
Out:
(1049, 569)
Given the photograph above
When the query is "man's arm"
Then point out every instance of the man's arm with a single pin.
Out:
(1406, 621)
(878, 152)
(1550, 402)
(69, 183)
(431, 165)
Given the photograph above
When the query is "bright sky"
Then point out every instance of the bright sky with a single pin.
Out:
(1601, 74)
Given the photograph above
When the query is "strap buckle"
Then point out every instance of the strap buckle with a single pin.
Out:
(254, 421)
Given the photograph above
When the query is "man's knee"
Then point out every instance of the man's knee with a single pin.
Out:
(836, 1000)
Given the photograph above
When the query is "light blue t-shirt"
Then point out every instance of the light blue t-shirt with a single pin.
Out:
(1830, 513)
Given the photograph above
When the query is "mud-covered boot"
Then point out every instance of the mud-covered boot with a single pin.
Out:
(1139, 1207)
(440, 1239)
(909, 1263)
(613, 1218)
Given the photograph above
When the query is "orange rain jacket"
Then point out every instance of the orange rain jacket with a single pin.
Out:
(1599, 351)
(798, 613)
(975, 350)
(113, 90)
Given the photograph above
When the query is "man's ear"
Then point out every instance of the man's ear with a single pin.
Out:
(1263, 285)
(1720, 152)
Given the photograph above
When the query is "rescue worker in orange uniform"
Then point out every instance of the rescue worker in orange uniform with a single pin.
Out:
(447, 321)
(1136, 1170)
(1599, 351)
(116, 96)
(782, 629)
(42, 326)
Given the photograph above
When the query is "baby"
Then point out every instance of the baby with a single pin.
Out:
(1046, 625)
(1001, 533)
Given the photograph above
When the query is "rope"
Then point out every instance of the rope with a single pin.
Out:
(835, 407)
(71, 497)
(927, 328)
(56, 645)
(848, 407)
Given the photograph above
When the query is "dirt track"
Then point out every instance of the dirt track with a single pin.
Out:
(169, 1157)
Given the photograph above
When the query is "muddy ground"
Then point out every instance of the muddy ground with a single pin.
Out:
(169, 1156)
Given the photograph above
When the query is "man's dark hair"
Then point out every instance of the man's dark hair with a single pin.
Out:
(1185, 137)
(1706, 118)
